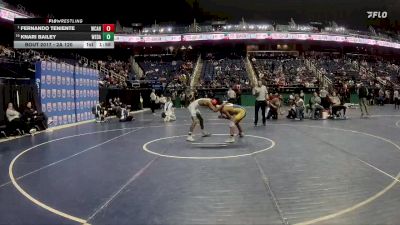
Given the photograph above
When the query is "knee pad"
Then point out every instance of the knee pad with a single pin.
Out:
(232, 124)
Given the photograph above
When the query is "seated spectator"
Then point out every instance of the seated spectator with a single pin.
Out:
(323, 93)
(118, 102)
(33, 118)
(274, 105)
(14, 120)
(291, 99)
(112, 108)
(100, 112)
(315, 104)
(123, 114)
(169, 113)
(336, 106)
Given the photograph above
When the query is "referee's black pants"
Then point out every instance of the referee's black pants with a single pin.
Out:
(258, 105)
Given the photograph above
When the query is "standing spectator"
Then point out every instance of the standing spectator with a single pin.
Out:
(231, 96)
(238, 92)
(182, 98)
(261, 94)
(302, 94)
(299, 107)
(381, 97)
(153, 98)
(371, 98)
(396, 99)
(362, 98)
(174, 96)
(387, 97)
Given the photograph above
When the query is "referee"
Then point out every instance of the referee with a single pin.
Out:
(261, 94)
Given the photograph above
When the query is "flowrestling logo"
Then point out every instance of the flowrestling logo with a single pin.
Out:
(377, 14)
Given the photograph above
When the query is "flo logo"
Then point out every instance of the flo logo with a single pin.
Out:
(377, 14)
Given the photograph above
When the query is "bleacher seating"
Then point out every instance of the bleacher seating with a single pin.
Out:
(284, 71)
(223, 73)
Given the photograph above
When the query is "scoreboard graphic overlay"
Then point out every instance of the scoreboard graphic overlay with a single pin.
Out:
(66, 92)
(39, 33)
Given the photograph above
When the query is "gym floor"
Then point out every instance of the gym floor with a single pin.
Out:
(144, 172)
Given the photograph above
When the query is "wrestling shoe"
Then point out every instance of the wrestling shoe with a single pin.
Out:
(230, 140)
(190, 138)
(32, 131)
(205, 134)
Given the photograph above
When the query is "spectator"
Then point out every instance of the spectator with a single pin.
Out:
(337, 106)
(153, 98)
(323, 94)
(381, 97)
(100, 112)
(302, 94)
(299, 107)
(274, 105)
(123, 114)
(362, 99)
(162, 101)
(315, 104)
(118, 102)
(182, 98)
(291, 99)
(33, 118)
(396, 99)
(261, 94)
(169, 113)
(231, 96)
(371, 98)
(387, 96)
(14, 119)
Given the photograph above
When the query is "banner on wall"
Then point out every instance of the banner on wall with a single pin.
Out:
(86, 92)
(62, 98)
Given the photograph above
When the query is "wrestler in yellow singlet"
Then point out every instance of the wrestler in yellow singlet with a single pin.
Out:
(235, 113)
